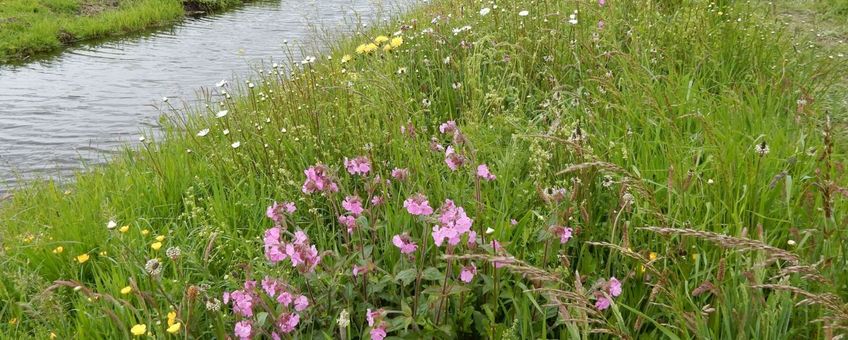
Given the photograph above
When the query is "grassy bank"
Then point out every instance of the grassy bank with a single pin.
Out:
(632, 169)
(28, 27)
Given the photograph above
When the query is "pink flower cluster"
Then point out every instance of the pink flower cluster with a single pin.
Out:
(453, 223)
(418, 205)
(375, 321)
(353, 204)
(318, 180)
(302, 255)
(467, 273)
(453, 159)
(349, 222)
(243, 301)
(358, 166)
(564, 233)
(483, 172)
(277, 211)
(404, 243)
(613, 288)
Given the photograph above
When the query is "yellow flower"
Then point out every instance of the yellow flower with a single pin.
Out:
(346, 58)
(694, 257)
(139, 330)
(145, 232)
(360, 49)
(370, 48)
(172, 317)
(52, 335)
(82, 258)
(126, 290)
(103, 253)
(174, 328)
(160, 238)
(13, 321)
(156, 245)
(124, 229)
(381, 39)
(387, 48)
(652, 256)
(58, 250)
(641, 268)
(396, 42)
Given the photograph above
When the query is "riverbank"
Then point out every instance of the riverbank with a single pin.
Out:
(29, 27)
(535, 169)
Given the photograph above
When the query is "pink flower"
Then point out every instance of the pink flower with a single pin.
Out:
(301, 303)
(453, 223)
(358, 166)
(353, 204)
(467, 273)
(602, 303)
(400, 174)
(513, 222)
(564, 233)
(453, 159)
(472, 239)
(302, 255)
(614, 287)
(373, 316)
(404, 243)
(418, 205)
(448, 127)
(318, 180)
(288, 322)
(242, 303)
(378, 333)
(270, 286)
(359, 270)
(435, 146)
(276, 211)
(377, 200)
(483, 172)
(243, 329)
(273, 246)
(349, 222)
(600, 24)
(285, 298)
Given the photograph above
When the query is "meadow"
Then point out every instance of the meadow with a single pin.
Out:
(468, 169)
(30, 27)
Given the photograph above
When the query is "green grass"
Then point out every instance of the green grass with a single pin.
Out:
(28, 27)
(652, 121)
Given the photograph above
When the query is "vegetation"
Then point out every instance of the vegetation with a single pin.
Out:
(28, 27)
(531, 169)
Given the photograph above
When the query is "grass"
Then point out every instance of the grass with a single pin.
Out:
(688, 145)
(29, 27)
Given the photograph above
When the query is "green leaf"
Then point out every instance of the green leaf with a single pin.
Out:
(432, 274)
(407, 276)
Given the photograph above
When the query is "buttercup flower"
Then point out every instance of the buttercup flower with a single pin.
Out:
(138, 330)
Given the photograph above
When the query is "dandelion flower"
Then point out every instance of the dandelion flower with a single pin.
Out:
(346, 58)
(360, 49)
(138, 330)
(396, 42)
(82, 258)
(369, 48)
(381, 39)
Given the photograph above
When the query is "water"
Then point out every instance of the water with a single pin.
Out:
(59, 114)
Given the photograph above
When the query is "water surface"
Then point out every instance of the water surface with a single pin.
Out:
(59, 114)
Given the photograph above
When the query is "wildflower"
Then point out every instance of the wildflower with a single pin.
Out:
(369, 48)
(288, 322)
(138, 330)
(346, 58)
(513, 222)
(82, 258)
(349, 222)
(302, 255)
(762, 149)
(401, 70)
(285, 298)
(174, 328)
(400, 174)
(301, 303)
(124, 229)
(353, 204)
(126, 290)
(153, 267)
(453, 159)
(344, 319)
(456, 85)
(602, 302)
(791, 242)
(425, 102)
(242, 302)
(243, 329)
(614, 286)
(448, 127)
(173, 253)
(490, 231)
(404, 243)
(418, 205)
(236, 144)
(58, 250)
(379, 40)
(483, 172)
(467, 273)
(453, 223)
(160, 238)
(318, 179)
(652, 256)
(377, 200)
(387, 48)
(358, 166)
(396, 42)
(213, 305)
(602, 2)
(276, 211)
(373, 316)
(564, 233)
(378, 333)
(359, 270)
(111, 225)
(523, 13)
(360, 49)
(156, 245)
(485, 11)
(222, 114)
(572, 18)
(172, 317)
(273, 247)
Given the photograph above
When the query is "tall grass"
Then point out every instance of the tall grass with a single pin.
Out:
(681, 143)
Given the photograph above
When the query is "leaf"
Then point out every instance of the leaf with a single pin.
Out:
(432, 274)
(260, 318)
(407, 276)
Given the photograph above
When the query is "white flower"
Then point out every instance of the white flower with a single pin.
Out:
(236, 145)
(226, 132)
(141, 139)
(523, 13)
(165, 99)
(485, 11)
(111, 225)
(308, 60)
(791, 242)
(344, 319)
(202, 133)
(222, 83)
(572, 19)
(251, 85)
(490, 231)
(222, 113)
